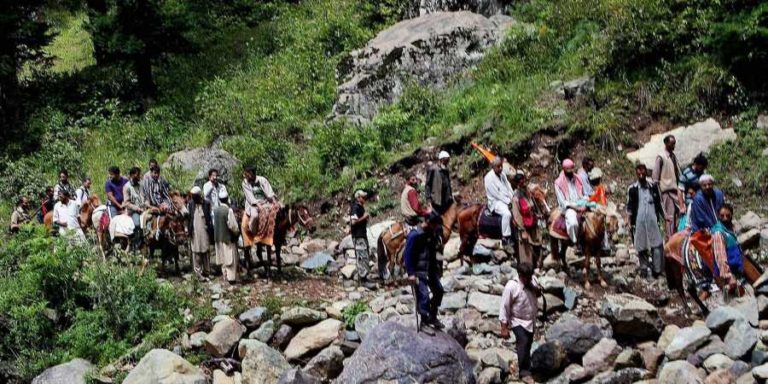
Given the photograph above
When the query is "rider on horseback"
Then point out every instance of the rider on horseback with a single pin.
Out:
(570, 195)
(410, 206)
(258, 194)
(499, 194)
(157, 200)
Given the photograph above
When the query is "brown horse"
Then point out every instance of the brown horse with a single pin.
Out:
(286, 219)
(675, 271)
(167, 232)
(391, 241)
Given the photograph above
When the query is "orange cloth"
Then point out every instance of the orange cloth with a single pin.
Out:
(598, 196)
(485, 152)
(702, 241)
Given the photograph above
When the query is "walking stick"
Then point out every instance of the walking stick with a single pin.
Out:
(415, 307)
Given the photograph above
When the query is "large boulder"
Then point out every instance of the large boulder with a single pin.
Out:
(549, 358)
(690, 141)
(224, 335)
(263, 364)
(73, 372)
(396, 353)
(161, 366)
(313, 338)
(631, 317)
(576, 336)
(200, 160)
(600, 357)
(429, 50)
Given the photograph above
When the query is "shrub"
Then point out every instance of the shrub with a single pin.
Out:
(351, 312)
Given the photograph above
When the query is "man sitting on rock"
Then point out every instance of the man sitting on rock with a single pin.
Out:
(423, 270)
(518, 313)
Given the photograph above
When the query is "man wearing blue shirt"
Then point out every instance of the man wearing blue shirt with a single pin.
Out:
(423, 270)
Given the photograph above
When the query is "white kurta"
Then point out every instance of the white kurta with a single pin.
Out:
(499, 194)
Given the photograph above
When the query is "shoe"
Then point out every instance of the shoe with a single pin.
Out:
(436, 324)
(527, 380)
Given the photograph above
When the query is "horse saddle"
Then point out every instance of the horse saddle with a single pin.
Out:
(489, 224)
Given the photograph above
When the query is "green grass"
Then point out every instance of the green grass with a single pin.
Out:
(72, 49)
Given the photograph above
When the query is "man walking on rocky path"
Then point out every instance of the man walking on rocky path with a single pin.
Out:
(438, 189)
(358, 225)
(423, 270)
(644, 207)
(666, 173)
(518, 313)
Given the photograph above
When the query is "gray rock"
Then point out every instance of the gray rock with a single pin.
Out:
(622, 376)
(300, 317)
(264, 333)
(713, 347)
(161, 366)
(575, 88)
(739, 368)
(571, 298)
(750, 220)
(686, 342)
(669, 333)
(717, 361)
(492, 358)
(762, 121)
(297, 376)
(554, 303)
(430, 49)
(631, 317)
(629, 358)
(740, 339)
(200, 160)
(489, 375)
(761, 372)
(720, 376)
(721, 318)
(222, 307)
(75, 371)
(549, 357)
(680, 372)
(365, 322)
(318, 260)
(224, 335)
(263, 364)
(253, 317)
(455, 327)
(600, 357)
(576, 336)
(454, 301)
(313, 338)
(485, 303)
(327, 364)
(197, 339)
(690, 141)
(385, 357)
(750, 239)
(551, 285)
(283, 336)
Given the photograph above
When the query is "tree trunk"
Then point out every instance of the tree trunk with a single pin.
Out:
(147, 86)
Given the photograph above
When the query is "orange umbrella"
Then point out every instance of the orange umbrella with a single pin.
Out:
(485, 152)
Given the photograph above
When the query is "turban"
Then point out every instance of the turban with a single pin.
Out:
(706, 177)
(568, 163)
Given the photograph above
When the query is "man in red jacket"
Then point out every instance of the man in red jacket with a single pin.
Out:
(410, 206)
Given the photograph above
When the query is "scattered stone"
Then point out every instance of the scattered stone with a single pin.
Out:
(326, 364)
(631, 317)
(739, 368)
(219, 377)
(161, 366)
(601, 356)
(686, 342)
(487, 304)
(713, 347)
(222, 307)
(717, 361)
(313, 338)
(721, 318)
(348, 271)
(75, 371)
(197, 339)
(741, 337)
(669, 333)
(576, 336)
(554, 303)
(571, 298)
(223, 337)
(551, 285)
(626, 375)
(385, 357)
(253, 317)
(680, 372)
(489, 375)
(297, 376)
(454, 301)
(366, 322)
(283, 336)
(300, 317)
(720, 376)
(264, 333)
(629, 358)
(652, 357)
(317, 261)
(549, 357)
(761, 372)
(750, 239)
(263, 364)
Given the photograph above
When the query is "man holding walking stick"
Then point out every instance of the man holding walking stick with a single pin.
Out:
(423, 270)
(518, 314)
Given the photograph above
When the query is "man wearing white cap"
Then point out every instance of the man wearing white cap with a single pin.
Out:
(200, 227)
(358, 222)
(225, 233)
(438, 189)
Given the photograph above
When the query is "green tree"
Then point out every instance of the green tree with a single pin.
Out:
(23, 34)
(138, 33)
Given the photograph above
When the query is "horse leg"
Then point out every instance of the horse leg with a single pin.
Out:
(269, 259)
(600, 271)
(587, 285)
(279, 260)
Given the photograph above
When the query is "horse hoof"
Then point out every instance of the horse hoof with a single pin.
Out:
(587, 285)
(603, 283)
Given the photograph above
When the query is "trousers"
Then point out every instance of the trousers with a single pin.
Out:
(506, 218)
(572, 224)
(523, 343)
(429, 282)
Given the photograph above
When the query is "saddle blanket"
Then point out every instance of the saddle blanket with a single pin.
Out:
(489, 225)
